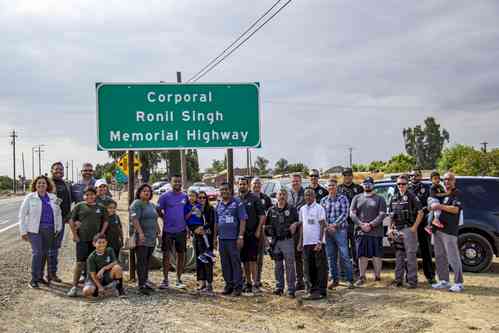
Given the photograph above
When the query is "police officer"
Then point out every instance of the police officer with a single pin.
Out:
(296, 198)
(421, 191)
(280, 227)
(349, 189)
(406, 214)
(320, 192)
(256, 188)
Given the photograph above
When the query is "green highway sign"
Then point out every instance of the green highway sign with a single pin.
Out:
(151, 116)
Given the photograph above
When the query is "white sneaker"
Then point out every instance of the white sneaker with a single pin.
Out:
(456, 288)
(441, 285)
(180, 285)
(73, 292)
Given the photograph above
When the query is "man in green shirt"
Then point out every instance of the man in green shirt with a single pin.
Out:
(103, 269)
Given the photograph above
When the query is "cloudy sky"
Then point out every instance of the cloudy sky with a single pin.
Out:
(333, 74)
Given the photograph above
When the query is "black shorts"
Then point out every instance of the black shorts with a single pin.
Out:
(106, 280)
(249, 252)
(178, 240)
(83, 250)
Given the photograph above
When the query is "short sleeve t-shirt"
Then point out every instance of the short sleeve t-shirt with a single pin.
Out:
(437, 189)
(96, 261)
(228, 217)
(196, 217)
(114, 231)
(104, 200)
(146, 214)
(310, 216)
(451, 221)
(254, 209)
(172, 204)
(91, 218)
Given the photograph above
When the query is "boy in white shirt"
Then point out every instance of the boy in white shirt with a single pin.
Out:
(312, 234)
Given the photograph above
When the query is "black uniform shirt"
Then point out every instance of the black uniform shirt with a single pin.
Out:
(404, 209)
(320, 192)
(254, 209)
(350, 190)
(279, 220)
(421, 190)
(451, 221)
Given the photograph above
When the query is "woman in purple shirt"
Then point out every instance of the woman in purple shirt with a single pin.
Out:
(40, 220)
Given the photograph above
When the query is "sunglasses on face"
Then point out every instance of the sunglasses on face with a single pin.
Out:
(314, 176)
(202, 198)
(87, 170)
(401, 184)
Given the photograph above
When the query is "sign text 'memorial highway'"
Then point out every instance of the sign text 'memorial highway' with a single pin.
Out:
(151, 116)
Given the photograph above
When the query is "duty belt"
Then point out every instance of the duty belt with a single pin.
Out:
(283, 238)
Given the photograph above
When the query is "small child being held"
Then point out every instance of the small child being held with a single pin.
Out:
(193, 213)
(437, 193)
(114, 229)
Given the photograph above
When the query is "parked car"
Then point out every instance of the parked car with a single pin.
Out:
(479, 232)
(165, 188)
(157, 185)
(211, 192)
(272, 186)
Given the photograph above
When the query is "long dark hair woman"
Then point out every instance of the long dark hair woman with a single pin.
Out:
(40, 221)
(203, 245)
(144, 217)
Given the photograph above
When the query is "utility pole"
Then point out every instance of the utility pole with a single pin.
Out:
(13, 142)
(230, 168)
(350, 149)
(24, 174)
(484, 146)
(131, 189)
(67, 170)
(72, 171)
(183, 162)
(248, 168)
(33, 163)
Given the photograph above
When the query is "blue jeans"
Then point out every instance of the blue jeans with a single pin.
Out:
(338, 242)
(53, 254)
(41, 243)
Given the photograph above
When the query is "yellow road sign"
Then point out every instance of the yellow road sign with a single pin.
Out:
(123, 164)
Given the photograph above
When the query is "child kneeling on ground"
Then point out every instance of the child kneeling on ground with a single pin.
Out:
(103, 269)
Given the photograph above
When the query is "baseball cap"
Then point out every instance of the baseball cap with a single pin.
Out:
(100, 182)
(434, 174)
(314, 172)
(368, 180)
(347, 172)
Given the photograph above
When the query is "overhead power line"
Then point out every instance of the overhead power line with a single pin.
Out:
(235, 41)
(209, 68)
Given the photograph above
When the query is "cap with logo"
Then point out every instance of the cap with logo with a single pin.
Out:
(368, 181)
(347, 172)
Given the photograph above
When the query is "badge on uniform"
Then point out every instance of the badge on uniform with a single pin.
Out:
(97, 211)
(286, 212)
(446, 200)
(423, 190)
(404, 198)
(320, 192)
(263, 202)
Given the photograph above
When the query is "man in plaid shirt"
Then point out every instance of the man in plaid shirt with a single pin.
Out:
(336, 207)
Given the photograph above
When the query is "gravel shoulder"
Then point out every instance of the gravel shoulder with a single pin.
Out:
(373, 308)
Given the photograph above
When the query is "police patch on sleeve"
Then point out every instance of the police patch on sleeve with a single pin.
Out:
(286, 212)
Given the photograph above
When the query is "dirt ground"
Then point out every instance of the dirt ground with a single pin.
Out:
(376, 307)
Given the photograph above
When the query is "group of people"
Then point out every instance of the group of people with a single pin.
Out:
(315, 236)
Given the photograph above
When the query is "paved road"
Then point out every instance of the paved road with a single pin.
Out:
(9, 229)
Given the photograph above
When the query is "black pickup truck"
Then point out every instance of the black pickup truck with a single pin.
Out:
(479, 232)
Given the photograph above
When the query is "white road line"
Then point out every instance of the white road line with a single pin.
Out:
(4, 221)
(9, 227)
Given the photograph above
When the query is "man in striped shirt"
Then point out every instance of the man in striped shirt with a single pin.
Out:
(336, 208)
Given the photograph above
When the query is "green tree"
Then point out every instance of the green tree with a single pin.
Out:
(217, 166)
(191, 157)
(359, 167)
(466, 160)
(425, 143)
(400, 163)
(298, 167)
(376, 166)
(105, 170)
(261, 164)
(5, 183)
(281, 166)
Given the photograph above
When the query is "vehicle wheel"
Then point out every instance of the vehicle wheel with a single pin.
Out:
(190, 259)
(476, 252)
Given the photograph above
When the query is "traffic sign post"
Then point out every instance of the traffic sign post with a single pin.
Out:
(143, 116)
